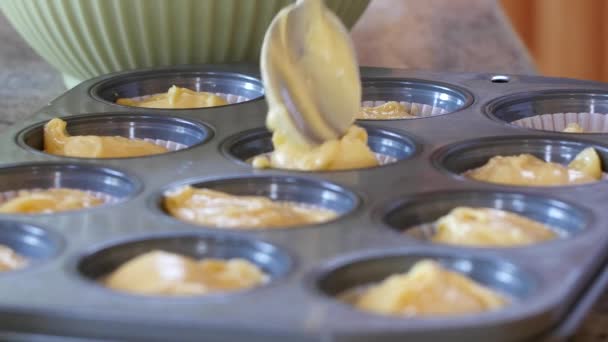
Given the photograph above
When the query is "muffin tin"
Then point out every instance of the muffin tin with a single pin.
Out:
(552, 285)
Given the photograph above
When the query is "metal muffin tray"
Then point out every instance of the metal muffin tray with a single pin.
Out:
(466, 121)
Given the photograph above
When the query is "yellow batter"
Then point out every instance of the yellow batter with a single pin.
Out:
(386, 111)
(312, 60)
(489, 227)
(163, 273)
(176, 98)
(58, 141)
(573, 127)
(527, 170)
(213, 208)
(350, 152)
(427, 289)
(9, 260)
(49, 201)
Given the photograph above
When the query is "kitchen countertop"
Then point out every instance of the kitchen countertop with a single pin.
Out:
(463, 35)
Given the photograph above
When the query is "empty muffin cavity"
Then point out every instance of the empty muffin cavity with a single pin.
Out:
(257, 202)
(459, 158)
(417, 215)
(349, 279)
(100, 185)
(271, 261)
(554, 110)
(168, 132)
(232, 87)
(409, 99)
(388, 146)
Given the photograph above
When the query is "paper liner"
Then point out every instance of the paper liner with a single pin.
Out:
(230, 98)
(603, 178)
(424, 231)
(557, 122)
(172, 146)
(383, 159)
(107, 199)
(419, 110)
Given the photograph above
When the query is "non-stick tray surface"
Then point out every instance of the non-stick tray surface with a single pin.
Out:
(465, 120)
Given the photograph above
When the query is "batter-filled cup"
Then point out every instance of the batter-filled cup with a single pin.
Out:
(53, 200)
(565, 122)
(410, 99)
(179, 88)
(395, 110)
(227, 99)
(113, 135)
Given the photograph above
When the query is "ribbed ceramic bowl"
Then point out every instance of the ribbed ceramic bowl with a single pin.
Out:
(88, 38)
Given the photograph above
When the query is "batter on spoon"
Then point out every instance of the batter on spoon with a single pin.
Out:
(349, 152)
(313, 90)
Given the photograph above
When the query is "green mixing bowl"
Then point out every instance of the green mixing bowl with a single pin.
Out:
(87, 38)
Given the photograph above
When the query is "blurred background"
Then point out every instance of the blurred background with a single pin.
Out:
(567, 38)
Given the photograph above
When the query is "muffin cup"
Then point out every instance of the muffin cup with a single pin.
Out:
(172, 146)
(468, 155)
(230, 98)
(419, 110)
(557, 122)
(170, 132)
(272, 260)
(107, 199)
(110, 185)
(387, 145)
(233, 87)
(420, 98)
(382, 159)
(300, 191)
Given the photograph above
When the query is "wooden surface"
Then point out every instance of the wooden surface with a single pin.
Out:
(567, 38)
(595, 326)
(442, 35)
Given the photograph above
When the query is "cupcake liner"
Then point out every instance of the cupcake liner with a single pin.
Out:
(424, 231)
(230, 98)
(414, 108)
(107, 199)
(172, 146)
(557, 122)
(382, 159)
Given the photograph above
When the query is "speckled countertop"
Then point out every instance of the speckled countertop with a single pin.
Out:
(446, 35)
